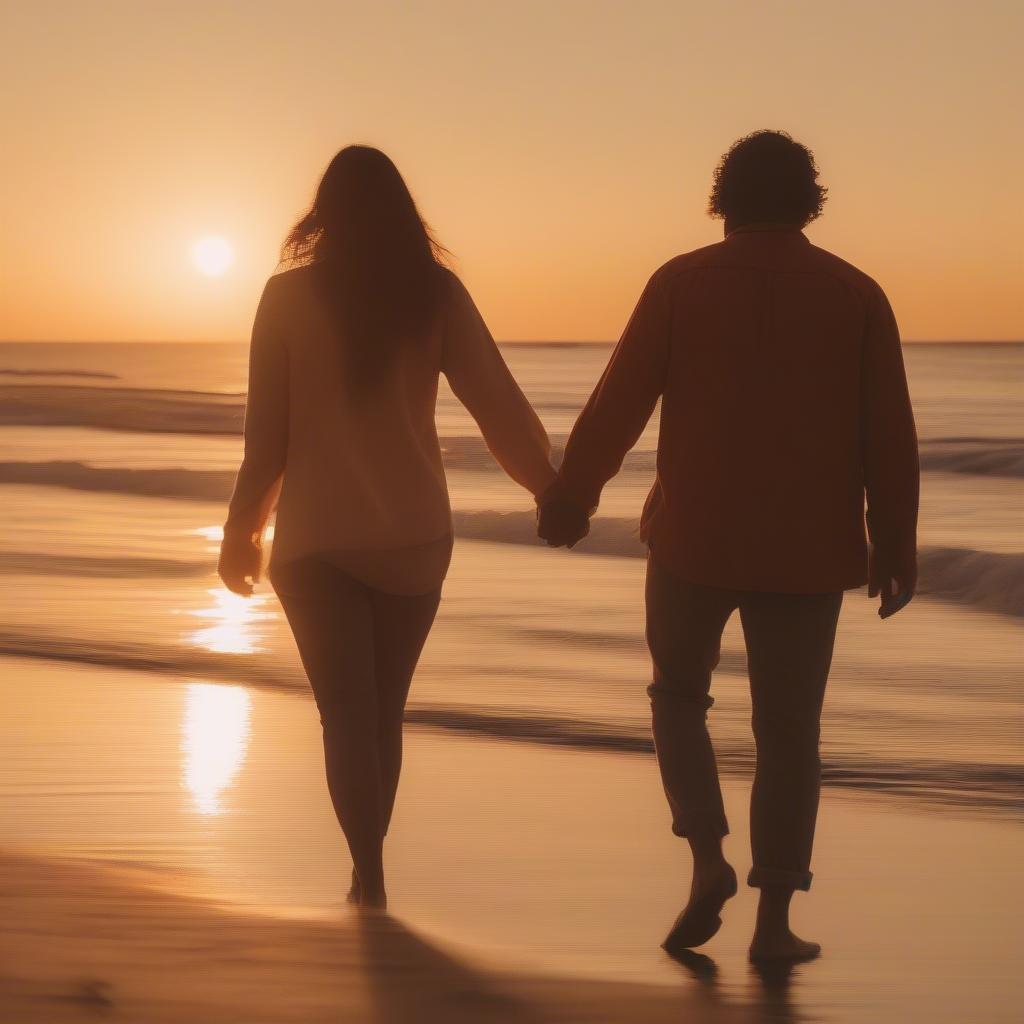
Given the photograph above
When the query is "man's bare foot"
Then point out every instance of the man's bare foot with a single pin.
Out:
(782, 947)
(700, 919)
(355, 889)
(701, 967)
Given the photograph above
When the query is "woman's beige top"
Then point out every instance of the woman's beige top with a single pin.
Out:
(361, 481)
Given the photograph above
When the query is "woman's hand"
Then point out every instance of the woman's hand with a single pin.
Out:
(560, 521)
(241, 559)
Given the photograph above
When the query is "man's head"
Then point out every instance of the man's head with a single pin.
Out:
(767, 177)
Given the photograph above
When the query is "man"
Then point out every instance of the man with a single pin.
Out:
(784, 403)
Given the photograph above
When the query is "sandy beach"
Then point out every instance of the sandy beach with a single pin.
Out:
(114, 944)
(193, 871)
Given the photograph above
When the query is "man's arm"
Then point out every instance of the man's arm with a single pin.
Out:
(613, 418)
(891, 469)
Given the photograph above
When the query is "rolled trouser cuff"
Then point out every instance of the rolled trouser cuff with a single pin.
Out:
(779, 878)
(719, 828)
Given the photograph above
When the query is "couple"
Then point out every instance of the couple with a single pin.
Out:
(784, 404)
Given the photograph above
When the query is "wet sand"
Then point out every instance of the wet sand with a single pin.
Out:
(200, 875)
(102, 943)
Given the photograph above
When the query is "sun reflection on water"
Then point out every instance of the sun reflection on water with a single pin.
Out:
(232, 619)
(215, 736)
(215, 534)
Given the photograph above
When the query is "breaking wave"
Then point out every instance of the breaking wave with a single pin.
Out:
(117, 408)
(150, 410)
(983, 579)
(988, 580)
(982, 456)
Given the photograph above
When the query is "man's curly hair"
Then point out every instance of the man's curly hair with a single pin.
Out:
(767, 177)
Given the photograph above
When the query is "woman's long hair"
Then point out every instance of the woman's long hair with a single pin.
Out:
(378, 269)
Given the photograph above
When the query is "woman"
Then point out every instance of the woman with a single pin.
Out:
(347, 347)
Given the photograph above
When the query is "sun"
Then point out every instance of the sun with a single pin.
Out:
(212, 255)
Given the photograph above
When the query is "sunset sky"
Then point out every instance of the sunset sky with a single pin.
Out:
(562, 150)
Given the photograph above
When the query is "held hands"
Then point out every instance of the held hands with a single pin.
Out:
(560, 522)
(241, 560)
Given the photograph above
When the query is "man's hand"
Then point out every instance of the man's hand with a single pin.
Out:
(561, 523)
(894, 588)
(241, 559)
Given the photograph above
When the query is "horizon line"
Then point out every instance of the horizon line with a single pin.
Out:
(501, 341)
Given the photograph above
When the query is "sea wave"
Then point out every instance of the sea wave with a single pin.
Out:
(150, 410)
(35, 563)
(991, 786)
(984, 579)
(147, 410)
(185, 484)
(85, 374)
(988, 580)
(982, 456)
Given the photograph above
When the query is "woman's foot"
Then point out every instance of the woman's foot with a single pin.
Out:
(355, 889)
(365, 897)
(376, 899)
(372, 894)
(782, 947)
(700, 919)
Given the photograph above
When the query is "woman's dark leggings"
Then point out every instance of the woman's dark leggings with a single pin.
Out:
(359, 647)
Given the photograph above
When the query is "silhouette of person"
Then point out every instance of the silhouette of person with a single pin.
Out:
(784, 403)
(347, 347)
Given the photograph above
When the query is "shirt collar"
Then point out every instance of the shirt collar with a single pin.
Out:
(768, 227)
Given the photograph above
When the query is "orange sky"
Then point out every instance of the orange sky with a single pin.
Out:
(562, 150)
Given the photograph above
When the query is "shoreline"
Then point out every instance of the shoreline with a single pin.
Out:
(209, 845)
(995, 796)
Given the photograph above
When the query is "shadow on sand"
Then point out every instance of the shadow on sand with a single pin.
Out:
(411, 980)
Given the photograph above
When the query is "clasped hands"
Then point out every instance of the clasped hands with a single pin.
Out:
(561, 522)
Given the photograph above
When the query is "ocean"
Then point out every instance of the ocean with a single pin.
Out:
(116, 461)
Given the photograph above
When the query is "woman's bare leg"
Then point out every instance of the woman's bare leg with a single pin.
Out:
(331, 617)
(401, 627)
